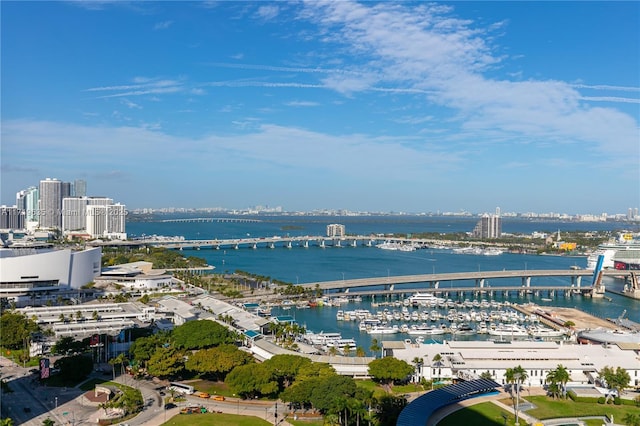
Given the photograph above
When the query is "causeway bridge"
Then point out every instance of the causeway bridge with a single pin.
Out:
(270, 242)
(432, 282)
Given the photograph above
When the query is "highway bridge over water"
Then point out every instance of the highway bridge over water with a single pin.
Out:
(433, 282)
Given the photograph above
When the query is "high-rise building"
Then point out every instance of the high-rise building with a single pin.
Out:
(67, 189)
(489, 226)
(21, 200)
(74, 211)
(96, 220)
(335, 230)
(50, 204)
(116, 214)
(80, 188)
(11, 218)
(32, 197)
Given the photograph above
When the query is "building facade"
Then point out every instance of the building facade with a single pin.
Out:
(50, 205)
(335, 230)
(489, 226)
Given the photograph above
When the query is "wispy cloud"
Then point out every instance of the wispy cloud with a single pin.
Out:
(427, 49)
(141, 86)
(130, 104)
(268, 12)
(302, 104)
(162, 25)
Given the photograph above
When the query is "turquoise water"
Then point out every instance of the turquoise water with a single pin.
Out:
(301, 265)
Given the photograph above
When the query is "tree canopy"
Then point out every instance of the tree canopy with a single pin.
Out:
(16, 328)
(201, 334)
(389, 369)
(217, 362)
(75, 367)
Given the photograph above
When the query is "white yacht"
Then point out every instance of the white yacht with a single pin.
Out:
(508, 330)
(425, 299)
(424, 329)
(383, 329)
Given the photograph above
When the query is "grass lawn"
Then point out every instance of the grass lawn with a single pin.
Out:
(319, 422)
(219, 419)
(487, 413)
(484, 414)
(548, 408)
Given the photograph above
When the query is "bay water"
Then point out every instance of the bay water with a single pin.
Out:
(312, 264)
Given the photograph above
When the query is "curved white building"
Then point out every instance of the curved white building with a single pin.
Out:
(29, 271)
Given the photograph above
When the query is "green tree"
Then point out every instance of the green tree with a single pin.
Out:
(557, 379)
(16, 329)
(252, 380)
(617, 379)
(375, 346)
(8, 421)
(388, 370)
(48, 422)
(285, 368)
(144, 347)
(217, 362)
(166, 362)
(201, 334)
(486, 375)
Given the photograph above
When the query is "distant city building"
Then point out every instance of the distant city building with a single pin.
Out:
(106, 221)
(79, 188)
(74, 211)
(11, 218)
(116, 215)
(32, 197)
(489, 226)
(50, 205)
(335, 230)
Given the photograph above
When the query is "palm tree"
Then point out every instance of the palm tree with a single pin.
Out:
(562, 376)
(417, 362)
(360, 353)
(375, 346)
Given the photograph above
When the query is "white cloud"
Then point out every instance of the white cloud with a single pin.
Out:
(268, 12)
(302, 104)
(162, 25)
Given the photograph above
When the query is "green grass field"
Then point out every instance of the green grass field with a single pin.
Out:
(218, 419)
(484, 414)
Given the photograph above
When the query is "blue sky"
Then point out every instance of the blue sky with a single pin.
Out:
(389, 106)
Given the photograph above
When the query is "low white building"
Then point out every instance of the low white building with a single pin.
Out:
(469, 359)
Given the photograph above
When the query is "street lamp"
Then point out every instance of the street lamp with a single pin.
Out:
(56, 399)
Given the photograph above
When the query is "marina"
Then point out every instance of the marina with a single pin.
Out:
(300, 265)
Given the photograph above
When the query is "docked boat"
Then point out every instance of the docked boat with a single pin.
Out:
(383, 329)
(508, 330)
(465, 329)
(539, 331)
(424, 329)
(425, 299)
(320, 338)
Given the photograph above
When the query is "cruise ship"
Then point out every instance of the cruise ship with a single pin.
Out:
(621, 256)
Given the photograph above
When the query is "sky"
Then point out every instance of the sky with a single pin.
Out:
(365, 106)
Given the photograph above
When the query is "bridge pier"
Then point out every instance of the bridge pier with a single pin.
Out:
(480, 282)
(288, 245)
(526, 281)
(337, 243)
(305, 244)
(354, 243)
(236, 246)
(370, 243)
(254, 246)
(271, 245)
(322, 244)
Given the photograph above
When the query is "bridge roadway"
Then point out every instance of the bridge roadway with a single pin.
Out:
(269, 242)
(391, 282)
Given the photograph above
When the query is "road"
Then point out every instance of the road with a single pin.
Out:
(30, 403)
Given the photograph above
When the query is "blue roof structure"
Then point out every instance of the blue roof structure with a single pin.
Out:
(419, 411)
(251, 334)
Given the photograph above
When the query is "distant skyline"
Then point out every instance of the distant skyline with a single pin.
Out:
(370, 106)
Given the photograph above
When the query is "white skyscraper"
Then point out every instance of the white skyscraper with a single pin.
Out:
(74, 211)
(96, 220)
(50, 205)
(116, 214)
